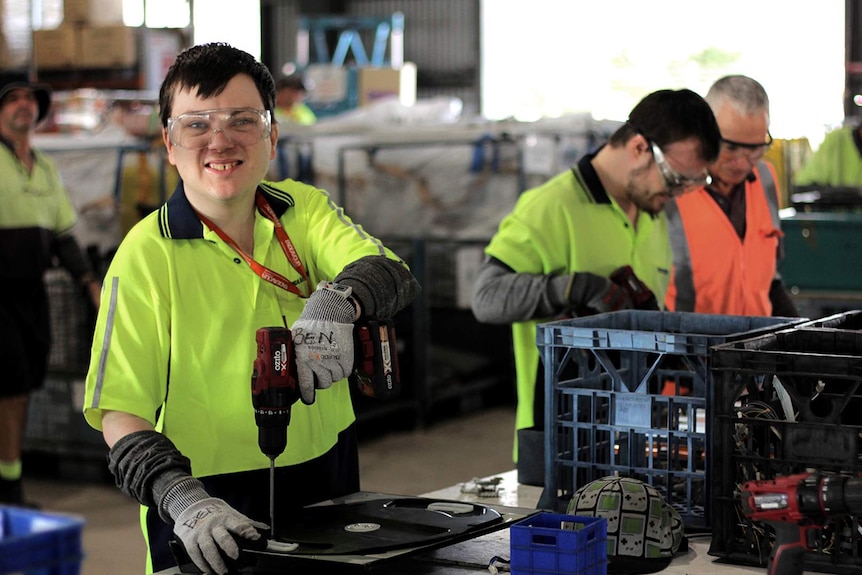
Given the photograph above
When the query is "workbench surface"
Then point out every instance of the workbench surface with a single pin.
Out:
(474, 555)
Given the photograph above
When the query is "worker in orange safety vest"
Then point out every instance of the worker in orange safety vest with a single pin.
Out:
(726, 236)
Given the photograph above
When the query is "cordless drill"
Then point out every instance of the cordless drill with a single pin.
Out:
(796, 506)
(275, 383)
(274, 389)
(375, 365)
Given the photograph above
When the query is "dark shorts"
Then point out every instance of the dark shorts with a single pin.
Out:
(333, 474)
(24, 343)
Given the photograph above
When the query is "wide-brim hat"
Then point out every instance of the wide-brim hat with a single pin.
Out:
(16, 80)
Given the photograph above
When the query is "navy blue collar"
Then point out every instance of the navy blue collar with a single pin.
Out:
(178, 220)
(590, 179)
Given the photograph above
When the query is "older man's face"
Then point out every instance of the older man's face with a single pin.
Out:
(19, 111)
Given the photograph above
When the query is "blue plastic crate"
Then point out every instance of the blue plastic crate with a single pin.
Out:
(626, 393)
(36, 543)
(551, 543)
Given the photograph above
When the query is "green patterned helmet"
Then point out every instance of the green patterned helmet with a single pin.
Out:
(643, 530)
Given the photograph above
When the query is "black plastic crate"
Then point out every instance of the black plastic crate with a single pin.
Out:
(849, 320)
(785, 403)
(626, 393)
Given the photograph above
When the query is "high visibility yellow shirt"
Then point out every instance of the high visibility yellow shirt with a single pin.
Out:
(570, 224)
(174, 341)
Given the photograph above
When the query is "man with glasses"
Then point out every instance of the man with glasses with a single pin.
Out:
(36, 223)
(554, 254)
(726, 235)
(169, 383)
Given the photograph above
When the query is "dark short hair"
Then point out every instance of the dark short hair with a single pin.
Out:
(294, 81)
(209, 68)
(668, 116)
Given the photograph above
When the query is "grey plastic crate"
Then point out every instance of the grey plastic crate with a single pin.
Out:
(627, 393)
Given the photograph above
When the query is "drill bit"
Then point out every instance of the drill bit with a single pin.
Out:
(272, 498)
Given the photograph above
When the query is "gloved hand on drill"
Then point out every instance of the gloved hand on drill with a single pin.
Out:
(641, 296)
(207, 525)
(323, 340)
(589, 293)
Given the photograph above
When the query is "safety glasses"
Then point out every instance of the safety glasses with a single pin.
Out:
(751, 151)
(676, 183)
(242, 126)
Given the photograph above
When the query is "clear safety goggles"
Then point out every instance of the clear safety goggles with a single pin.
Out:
(241, 126)
(676, 183)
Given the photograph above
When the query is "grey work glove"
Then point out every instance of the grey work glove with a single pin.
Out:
(323, 341)
(590, 294)
(207, 525)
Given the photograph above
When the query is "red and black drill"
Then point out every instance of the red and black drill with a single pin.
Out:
(796, 506)
(275, 383)
(274, 389)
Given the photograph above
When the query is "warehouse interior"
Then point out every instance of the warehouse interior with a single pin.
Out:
(431, 119)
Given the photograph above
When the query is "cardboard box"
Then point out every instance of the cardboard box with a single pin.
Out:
(381, 83)
(92, 11)
(108, 46)
(57, 48)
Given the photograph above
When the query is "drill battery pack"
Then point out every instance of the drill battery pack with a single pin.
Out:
(375, 370)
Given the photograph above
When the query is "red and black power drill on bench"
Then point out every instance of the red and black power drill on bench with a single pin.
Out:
(796, 506)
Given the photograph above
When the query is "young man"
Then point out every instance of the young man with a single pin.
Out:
(726, 236)
(554, 254)
(170, 377)
(35, 225)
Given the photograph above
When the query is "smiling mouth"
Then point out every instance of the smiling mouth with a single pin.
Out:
(223, 167)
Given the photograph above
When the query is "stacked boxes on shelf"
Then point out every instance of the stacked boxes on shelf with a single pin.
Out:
(627, 393)
(91, 36)
(785, 403)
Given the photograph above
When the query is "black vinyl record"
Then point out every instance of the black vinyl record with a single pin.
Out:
(381, 525)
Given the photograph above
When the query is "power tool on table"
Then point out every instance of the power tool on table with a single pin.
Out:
(796, 507)
(275, 383)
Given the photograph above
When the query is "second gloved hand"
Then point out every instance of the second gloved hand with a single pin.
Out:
(323, 341)
(589, 293)
(642, 297)
(207, 528)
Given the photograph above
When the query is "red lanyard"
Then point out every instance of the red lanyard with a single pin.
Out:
(264, 272)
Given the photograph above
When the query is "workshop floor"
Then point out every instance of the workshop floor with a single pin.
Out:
(445, 453)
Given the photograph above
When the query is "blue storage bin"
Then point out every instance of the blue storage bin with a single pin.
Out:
(36, 543)
(551, 543)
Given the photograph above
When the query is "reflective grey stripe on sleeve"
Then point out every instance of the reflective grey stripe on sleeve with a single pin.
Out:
(683, 279)
(106, 341)
(358, 229)
(771, 192)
